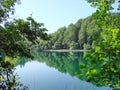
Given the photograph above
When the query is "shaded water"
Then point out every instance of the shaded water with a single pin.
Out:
(54, 71)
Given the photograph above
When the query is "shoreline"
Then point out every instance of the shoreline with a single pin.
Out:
(63, 50)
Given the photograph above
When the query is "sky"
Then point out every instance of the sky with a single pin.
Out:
(54, 13)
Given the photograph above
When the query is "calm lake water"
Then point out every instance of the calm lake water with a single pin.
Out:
(54, 71)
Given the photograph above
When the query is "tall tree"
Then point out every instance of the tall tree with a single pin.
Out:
(106, 47)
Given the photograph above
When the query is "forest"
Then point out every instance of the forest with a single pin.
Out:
(76, 36)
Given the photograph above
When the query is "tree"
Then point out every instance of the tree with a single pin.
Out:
(16, 37)
(106, 47)
(6, 7)
(70, 35)
(73, 45)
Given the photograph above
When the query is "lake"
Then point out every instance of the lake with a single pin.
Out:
(54, 71)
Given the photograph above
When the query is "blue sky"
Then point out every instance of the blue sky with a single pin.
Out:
(54, 13)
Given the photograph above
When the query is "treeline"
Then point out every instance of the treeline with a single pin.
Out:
(76, 36)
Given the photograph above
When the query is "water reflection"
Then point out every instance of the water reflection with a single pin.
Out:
(38, 76)
(61, 71)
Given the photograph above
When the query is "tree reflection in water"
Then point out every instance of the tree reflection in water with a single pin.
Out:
(100, 73)
(97, 72)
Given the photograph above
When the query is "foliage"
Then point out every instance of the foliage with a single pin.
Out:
(7, 8)
(106, 47)
(16, 38)
(74, 36)
(19, 35)
(79, 35)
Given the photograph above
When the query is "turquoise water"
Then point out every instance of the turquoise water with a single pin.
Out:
(54, 71)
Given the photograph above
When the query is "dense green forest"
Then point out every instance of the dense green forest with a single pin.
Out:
(76, 36)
